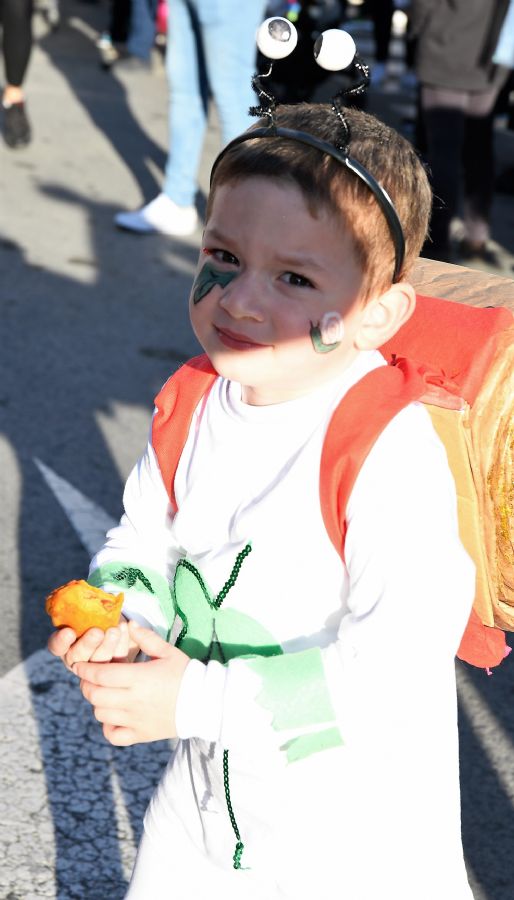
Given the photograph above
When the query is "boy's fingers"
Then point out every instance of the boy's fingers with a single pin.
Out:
(106, 650)
(116, 675)
(149, 642)
(119, 737)
(114, 717)
(112, 698)
(84, 647)
(60, 641)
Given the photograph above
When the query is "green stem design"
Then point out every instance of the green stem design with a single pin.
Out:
(238, 852)
(216, 603)
(131, 576)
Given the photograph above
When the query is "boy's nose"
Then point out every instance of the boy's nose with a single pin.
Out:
(243, 298)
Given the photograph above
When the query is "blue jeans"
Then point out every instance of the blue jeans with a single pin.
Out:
(211, 48)
(142, 27)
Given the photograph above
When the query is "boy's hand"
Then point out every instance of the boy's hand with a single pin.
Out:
(136, 703)
(94, 645)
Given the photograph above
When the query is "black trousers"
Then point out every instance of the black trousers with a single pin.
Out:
(16, 21)
(120, 20)
(460, 150)
(381, 12)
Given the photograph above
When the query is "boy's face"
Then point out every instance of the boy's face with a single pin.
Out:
(276, 300)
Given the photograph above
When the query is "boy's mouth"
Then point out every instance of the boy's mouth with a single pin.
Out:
(236, 340)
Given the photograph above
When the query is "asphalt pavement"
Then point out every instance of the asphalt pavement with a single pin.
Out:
(93, 321)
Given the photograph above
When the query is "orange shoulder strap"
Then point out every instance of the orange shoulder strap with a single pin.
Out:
(360, 418)
(178, 399)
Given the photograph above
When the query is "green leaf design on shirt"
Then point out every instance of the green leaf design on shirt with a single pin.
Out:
(211, 632)
(293, 686)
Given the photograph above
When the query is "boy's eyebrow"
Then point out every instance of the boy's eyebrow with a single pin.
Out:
(291, 260)
(216, 235)
(300, 260)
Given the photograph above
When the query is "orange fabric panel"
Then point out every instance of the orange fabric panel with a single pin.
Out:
(351, 435)
(178, 399)
(460, 340)
(482, 646)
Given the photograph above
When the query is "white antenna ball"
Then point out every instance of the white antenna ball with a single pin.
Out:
(277, 38)
(334, 50)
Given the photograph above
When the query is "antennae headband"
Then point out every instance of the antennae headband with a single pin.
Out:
(382, 197)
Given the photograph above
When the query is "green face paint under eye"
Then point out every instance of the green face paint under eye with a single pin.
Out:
(208, 277)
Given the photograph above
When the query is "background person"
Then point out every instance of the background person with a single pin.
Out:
(459, 84)
(210, 50)
(16, 21)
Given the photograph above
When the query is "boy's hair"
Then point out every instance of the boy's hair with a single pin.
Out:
(324, 182)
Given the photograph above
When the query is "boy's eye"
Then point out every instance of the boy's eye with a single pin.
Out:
(297, 280)
(222, 256)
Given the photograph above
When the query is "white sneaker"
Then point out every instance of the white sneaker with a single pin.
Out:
(161, 215)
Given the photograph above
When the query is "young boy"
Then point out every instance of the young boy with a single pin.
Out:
(314, 699)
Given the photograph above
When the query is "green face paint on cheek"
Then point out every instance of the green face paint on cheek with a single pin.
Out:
(327, 334)
(208, 277)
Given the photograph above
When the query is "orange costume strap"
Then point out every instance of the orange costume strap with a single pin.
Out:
(350, 436)
(385, 391)
(178, 398)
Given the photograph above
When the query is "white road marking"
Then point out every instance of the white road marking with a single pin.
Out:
(40, 692)
(89, 520)
(91, 523)
(496, 743)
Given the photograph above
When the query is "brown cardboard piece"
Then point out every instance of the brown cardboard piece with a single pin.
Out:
(438, 279)
(479, 444)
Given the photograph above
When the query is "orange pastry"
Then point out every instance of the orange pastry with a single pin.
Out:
(81, 606)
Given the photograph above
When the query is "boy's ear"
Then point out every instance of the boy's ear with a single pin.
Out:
(384, 315)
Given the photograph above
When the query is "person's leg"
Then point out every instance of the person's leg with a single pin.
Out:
(478, 163)
(228, 29)
(188, 103)
(142, 28)
(443, 122)
(382, 16)
(381, 12)
(120, 21)
(17, 45)
(478, 159)
(173, 212)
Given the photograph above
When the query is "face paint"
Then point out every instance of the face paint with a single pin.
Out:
(328, 333)
(207, 278)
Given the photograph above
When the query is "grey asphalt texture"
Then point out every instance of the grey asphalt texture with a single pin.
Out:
(93, 321)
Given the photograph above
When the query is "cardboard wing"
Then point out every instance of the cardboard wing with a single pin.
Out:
(469, 353)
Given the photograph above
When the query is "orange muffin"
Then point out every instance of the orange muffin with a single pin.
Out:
(81, 606)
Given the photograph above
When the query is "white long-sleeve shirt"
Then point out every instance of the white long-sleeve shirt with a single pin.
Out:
(332, 686)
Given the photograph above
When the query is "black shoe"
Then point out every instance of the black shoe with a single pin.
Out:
(16, 126)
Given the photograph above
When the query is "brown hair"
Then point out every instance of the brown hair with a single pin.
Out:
(325, 182)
